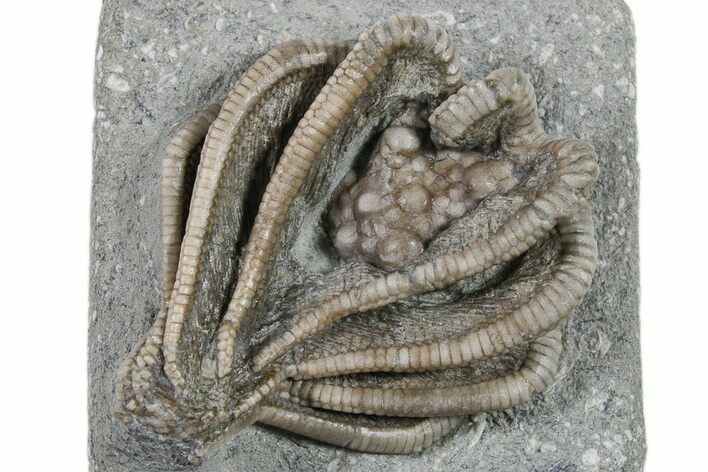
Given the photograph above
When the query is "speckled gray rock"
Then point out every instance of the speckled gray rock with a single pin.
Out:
(158, 62)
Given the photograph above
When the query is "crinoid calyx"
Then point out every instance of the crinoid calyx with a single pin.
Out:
(361, 250)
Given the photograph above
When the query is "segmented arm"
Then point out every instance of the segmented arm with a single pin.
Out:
(407, 437)
(179, 169)
(502, 105)
(179, 166)
(535, 376)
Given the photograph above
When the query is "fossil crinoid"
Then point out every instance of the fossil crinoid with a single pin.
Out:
(361, 250)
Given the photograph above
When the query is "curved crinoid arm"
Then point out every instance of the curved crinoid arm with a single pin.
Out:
(179, 166)
(369, 57)
(502, 106)
(577, 163)
(356, 432)
(239, 153)
(179, 170)
(391, 436)
(398, 436)
(535, 375)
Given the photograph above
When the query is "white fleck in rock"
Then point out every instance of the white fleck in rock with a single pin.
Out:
(546, 53)
(220, 24)
(148, 50)
(596, 49)
(599, 91)
(99, 52)
(597, 401)
(117, 84)
(273, 7)
(172, 52)
(205, 50)
(165, 79)
(626, 87)
(548, 447)
(190, 24)
(446, 16)
(591, 457)
(495, 39)
(533, 446)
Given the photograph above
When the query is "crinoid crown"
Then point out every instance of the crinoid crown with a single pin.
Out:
(359, 249)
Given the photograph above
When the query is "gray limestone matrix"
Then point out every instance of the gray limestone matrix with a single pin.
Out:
(361, 250)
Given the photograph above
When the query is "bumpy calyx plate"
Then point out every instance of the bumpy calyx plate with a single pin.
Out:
(358, 249)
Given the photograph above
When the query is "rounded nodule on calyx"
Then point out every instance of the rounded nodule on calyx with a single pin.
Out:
(408, 194)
